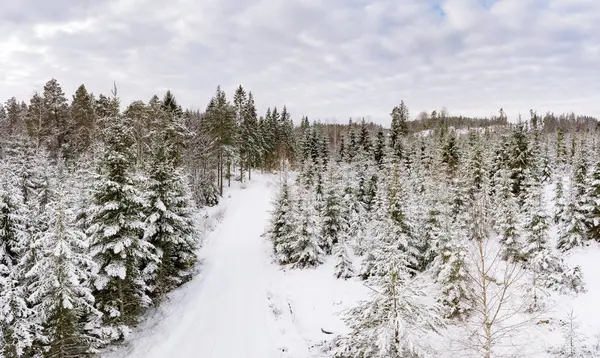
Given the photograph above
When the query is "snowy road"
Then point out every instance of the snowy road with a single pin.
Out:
(229, 310)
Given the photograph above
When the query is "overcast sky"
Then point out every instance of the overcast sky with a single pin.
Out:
(323, 58)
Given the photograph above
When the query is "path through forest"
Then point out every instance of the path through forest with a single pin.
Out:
(235, 307)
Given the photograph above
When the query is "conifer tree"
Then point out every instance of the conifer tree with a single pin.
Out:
(281, 229)
(379, 150)
(519, 159)
(169, 225)
(535, 218)
(249, 136)
(57, 126)
(352, 147)
(116, 230)
(332, 220)
(306, 243)
(391, 324)
(220, 127)
(507, 224)
(560, 201)
(392, 241)
(561, 148)
(364, 138)
(573, 229)
(344, 267)
(15, 118)
(16, 318)
(399, 124)
(61, 292)
(83, 117)
(593, 204)
(450, 155)
(452, 272)
(169, 104)
(342, 149)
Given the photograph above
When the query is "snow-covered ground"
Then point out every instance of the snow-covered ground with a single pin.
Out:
(242, 305)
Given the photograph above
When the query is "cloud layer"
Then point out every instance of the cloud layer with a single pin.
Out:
(326, 59)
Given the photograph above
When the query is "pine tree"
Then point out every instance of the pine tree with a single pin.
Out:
(220, 127)
(14, 116)
(83, 116)
(57, 126)
(249, 136)
(116, 230)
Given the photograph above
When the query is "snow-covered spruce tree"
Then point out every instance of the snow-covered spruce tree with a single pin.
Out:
(344, 267)
(507, 224)
(281, 228)
(60, 290)
(17, 322)
(561, 150)
(336, 227)
(380, 148)
(331, 218)
(452, 271)
(392, 244)
(574, 344)
(116, 231)
(356, 214)
(593, 204)
(306, 241)
(437, 208)
(519, 158)
(169, 225)
(391, 324)
(573, 230)
(402, 225)
(535, 219)
(548, 269)
(560, 201)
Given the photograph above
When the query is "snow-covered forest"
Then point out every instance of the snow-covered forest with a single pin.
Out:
(461, 230)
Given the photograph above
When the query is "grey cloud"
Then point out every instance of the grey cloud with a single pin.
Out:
(332, 59)
(25, 12)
